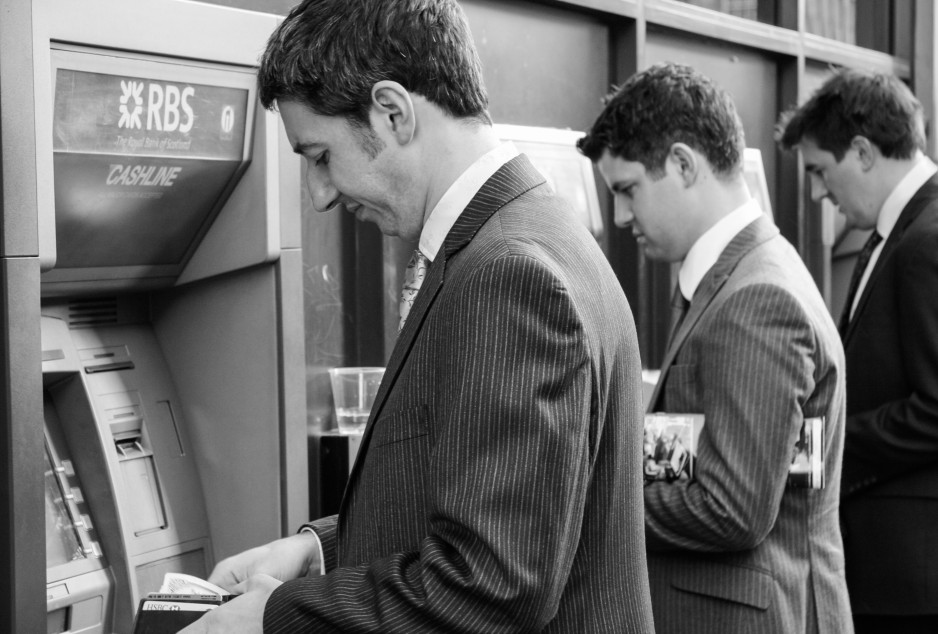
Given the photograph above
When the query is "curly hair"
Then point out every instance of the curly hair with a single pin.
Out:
(327, 55)
(662, 105)
(877, 106)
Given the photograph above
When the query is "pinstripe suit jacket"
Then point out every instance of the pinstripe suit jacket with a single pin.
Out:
(735, 550)
(890, 477)
(497, 487)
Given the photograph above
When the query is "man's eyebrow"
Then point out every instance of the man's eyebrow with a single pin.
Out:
(303, 148)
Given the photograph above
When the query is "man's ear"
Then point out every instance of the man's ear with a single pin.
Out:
(685, 161)
(867, 153)
(393, 111)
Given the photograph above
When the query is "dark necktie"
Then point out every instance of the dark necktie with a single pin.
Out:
(679, 306)
(862, 261)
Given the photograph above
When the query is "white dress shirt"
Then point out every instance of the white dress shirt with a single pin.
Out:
(458, 196)
(707, 249)
(923, 169)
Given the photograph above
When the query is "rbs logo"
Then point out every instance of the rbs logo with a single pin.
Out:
(167, 107)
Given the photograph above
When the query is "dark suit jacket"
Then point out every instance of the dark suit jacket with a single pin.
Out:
(735, 550)
(498, 483)
(890, 477)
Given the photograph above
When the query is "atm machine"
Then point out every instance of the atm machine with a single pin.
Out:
(173, 388)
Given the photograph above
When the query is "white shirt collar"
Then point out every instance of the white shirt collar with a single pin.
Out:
(458, 196)
(889, 214)
(707, 249)
(923, 169)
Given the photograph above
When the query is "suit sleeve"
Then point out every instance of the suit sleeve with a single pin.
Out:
(754, 372)
(508, 469)
(902, 435)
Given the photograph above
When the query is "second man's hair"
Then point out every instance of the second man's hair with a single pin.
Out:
(663, 105)
(877, 106)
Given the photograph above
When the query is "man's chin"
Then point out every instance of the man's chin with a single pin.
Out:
(648, 249)
(852, 223)
(363, 214)
(383, 227)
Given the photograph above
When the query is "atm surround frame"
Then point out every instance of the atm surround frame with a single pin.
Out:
(101, 60)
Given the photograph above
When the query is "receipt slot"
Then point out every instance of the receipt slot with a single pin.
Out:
(139, 475)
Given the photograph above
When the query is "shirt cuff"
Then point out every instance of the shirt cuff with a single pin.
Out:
(322, 560)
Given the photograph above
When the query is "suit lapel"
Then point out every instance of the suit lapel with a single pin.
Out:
(754, 234)
(925, 195)
(510, 181)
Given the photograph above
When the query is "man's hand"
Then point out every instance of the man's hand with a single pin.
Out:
(242, 615)
(284, 559)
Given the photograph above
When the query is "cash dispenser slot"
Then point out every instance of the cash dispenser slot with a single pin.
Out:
(139, 474)
(71, 498)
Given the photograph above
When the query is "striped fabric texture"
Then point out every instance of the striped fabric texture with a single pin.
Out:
(736, 550)
(498, 483)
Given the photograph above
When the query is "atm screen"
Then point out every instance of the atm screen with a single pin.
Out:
(144, 152)
(62, 543)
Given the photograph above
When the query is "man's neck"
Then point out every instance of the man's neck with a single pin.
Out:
(720, 199)
(890, 172)
(451, 146)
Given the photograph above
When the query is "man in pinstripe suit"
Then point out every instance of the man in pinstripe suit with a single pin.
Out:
(733, 549)
(498, 483)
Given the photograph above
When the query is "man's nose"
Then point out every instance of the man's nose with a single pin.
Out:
(322, 192)
(623, 216)
(818, 188)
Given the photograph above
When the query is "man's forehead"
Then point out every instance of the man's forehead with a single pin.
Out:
(610, 159)
(811, 152)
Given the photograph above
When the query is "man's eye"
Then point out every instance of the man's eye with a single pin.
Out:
(322, 159)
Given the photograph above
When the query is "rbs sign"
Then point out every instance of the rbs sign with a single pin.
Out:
(167, 107)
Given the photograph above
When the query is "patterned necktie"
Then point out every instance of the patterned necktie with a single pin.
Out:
(679, 307)
(862, 261)
(413, 278)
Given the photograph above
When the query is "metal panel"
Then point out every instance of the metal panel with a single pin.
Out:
(22, 508)
(542, 65)
(294, 461)
(18, 187)
(220, 340)
(182, 29)
(925, 64)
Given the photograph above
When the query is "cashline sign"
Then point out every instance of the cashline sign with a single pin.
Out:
(139, 164)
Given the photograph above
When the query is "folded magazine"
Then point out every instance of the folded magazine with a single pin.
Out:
(670, 446)
(807, 460)
(670, 450)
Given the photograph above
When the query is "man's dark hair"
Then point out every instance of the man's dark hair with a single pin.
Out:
(877, 106)
(327, 55)
(663, 105)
